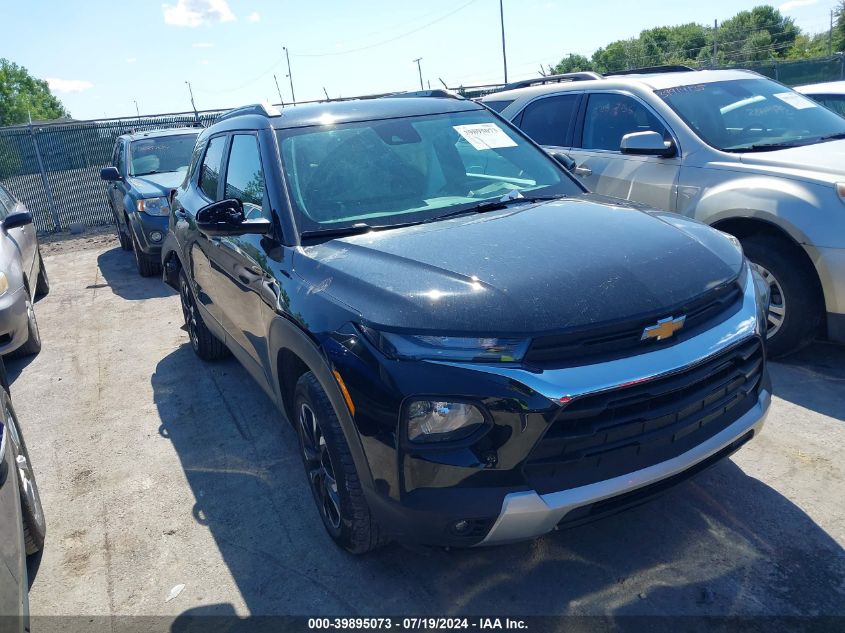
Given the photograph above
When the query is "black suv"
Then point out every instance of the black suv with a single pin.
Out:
(472, 348)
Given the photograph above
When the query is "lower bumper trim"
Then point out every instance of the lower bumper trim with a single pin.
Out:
(526, 515)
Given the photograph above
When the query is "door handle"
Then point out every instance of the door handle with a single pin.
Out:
(583, 171)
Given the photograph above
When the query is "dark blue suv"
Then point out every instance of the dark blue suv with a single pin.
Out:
(472, 348)
(146, 166)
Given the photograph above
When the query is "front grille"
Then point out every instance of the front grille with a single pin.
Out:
(602, 342)
(605, 435)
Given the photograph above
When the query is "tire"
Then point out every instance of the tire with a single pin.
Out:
(796, 305)
(331, 471)
(33, 342)
(42, 286)
(148, 266)
(125, 241)
(34, 524)
(205, 344)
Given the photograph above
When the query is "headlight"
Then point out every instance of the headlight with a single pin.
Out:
(762, 292)
(451, 348)
(435, 421)
(840, 189)
(153, 206)
(4, 283)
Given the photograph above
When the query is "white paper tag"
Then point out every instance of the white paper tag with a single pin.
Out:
(485, 135)
(797, 101)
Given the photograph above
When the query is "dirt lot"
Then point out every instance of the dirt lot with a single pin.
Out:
(158, 470)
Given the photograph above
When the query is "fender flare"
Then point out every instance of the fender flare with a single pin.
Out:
(285, 335)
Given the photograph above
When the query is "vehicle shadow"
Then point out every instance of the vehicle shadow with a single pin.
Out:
(813, 378)
(722, 543)
(121, 275)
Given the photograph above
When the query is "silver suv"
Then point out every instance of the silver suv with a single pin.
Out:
(730, 148)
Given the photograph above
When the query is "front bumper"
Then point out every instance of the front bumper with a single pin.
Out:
(145, 226)
(527, 515)
(495, 482)
(14, 324)
(830, 265)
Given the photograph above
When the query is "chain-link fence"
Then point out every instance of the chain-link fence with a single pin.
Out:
(790, 72)
(54, 168)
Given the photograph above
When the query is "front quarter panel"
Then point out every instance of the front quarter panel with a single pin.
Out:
(810, 213)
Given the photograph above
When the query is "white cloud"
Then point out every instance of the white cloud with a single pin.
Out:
(68, 85)
(255, 16)
(202, 45)
(193, 13)
(204, 62)
(794, 4)
(131, 60)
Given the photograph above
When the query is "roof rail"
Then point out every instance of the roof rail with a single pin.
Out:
(648, 70)
(548, 79)
(261, 109)
(436, 92)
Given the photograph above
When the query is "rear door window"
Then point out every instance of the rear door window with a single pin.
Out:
(549, 120)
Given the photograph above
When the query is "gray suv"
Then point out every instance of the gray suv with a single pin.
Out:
(730, 148)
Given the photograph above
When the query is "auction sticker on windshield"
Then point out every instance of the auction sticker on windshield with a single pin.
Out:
(485, 135)
(799, 102)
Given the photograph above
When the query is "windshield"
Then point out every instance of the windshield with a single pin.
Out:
(156, 155)
(397, 171)
(751, 115)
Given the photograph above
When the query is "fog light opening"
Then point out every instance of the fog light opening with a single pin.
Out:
(156, 236)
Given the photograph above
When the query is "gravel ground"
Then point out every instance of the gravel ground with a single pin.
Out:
(159, 470)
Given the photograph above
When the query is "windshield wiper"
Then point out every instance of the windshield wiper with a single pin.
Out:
(768, 147)
(832, 137)
(495, 205)
(355, 229)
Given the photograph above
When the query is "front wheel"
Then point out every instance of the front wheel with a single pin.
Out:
(795, 309)
(33, 335)
(148, 265)
(331, 472)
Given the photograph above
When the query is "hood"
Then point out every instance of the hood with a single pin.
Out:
(153, 185)
(820, 161)
(528, 269)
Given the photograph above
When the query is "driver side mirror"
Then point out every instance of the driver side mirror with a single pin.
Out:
(563, 159)
(14, 220)
(648, 143)
(110, 174)
(227, 217)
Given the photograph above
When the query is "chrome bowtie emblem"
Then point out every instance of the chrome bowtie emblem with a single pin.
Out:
(664, 328)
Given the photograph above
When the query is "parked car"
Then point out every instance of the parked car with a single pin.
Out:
(830, 94)
(23, 278)
(730, 148)
(22, 523)
(472, 348)
(146, 166)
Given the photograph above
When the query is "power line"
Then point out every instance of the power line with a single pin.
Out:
(388, 41)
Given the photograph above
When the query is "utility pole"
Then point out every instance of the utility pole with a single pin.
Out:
(290, 76)
(419, 69)
(326, 92)
(504, 53)
(830, 35)
(281, 100)
(715, 42)
(193, 105)
(137, 111)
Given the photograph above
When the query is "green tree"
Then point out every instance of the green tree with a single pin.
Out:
(21, 94)
(571, 64)
(760, 34)
(839, 28)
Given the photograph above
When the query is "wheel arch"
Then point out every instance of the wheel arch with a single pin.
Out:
(295, 353)
(743, 227)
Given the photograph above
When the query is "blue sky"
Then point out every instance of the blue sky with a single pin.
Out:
(100, 56)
